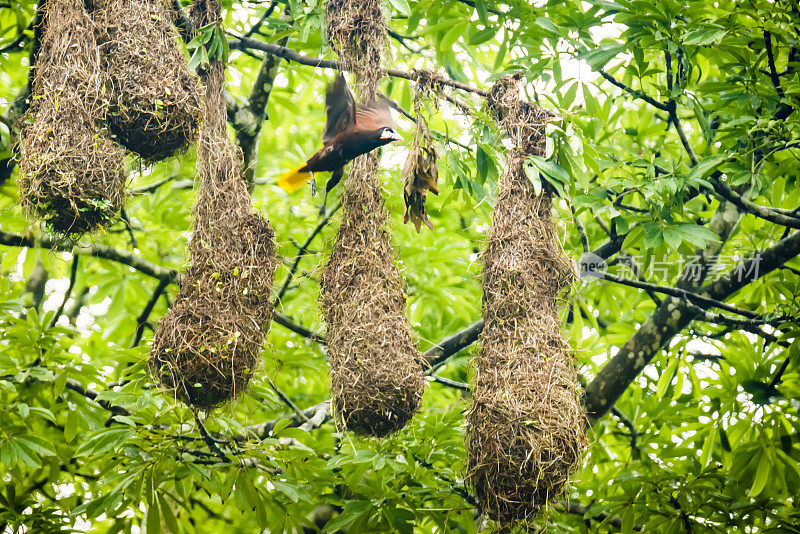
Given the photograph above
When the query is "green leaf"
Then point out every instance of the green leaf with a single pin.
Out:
(761, 475)
(401, 6)
(627, 520)
(72, 425)
(708, 447)
(706, 166)
(483, 13)
(152, 519)
(598, 57)
(666, 377)
(27, 456)
(696, 234)
(103, 441)
(287, 489)
(352, 511)
(481, 36)
(169, 516)
(35, 444)
(549, 168)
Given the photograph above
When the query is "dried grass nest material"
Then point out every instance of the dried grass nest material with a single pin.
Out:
(376, 370)
(207, 347)
(525, 122)
(357, 32)
(155, 106)
(71, 173)
(526, 424)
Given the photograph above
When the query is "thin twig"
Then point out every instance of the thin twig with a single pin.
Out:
(123, 214)
(287, 401)
(679, 293)
(149, 188)
(211, 441)
(9, 48)
(722, 190)
(302, 250)
(449, 383)
(141, 321)
(262, 19)
(777, 378)
(633, 92)
(73, 273)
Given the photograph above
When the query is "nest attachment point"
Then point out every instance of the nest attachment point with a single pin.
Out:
(71, 173)
(357, 32)
(206, 348)
(523, 120)
(154, 98)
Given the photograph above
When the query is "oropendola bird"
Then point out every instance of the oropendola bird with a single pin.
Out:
(349, 132)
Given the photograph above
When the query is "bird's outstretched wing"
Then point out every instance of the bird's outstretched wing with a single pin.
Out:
(375, 115)
(340, 107)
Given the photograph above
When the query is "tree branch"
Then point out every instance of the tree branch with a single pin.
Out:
(17, 42)
(98, 251)
(148, 309)
(320, 413)
(679, 293)
(239, 43)
(249, 118)
(666, 321)
(723, 191)
(633, 92)
(669, 319)
(131, 260)
(73, 273)
(773, 72)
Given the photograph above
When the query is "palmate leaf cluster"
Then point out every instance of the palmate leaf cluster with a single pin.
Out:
(705, 439)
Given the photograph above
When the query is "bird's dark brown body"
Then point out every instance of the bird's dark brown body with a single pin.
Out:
(349, 133)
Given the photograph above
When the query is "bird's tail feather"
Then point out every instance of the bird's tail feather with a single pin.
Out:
(293, 179)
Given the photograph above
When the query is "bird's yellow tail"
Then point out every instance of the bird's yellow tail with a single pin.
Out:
(293, 179)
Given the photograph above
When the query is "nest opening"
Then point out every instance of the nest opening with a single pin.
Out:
(71, 173)
(526, 423)
(207, 346)
(154, 100)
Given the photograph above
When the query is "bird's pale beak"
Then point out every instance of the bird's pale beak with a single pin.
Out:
(392, 136)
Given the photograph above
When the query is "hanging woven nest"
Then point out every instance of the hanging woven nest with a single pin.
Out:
(376, 370)
(207, 346)
(525, 422)
(71, 173)
(155, 107)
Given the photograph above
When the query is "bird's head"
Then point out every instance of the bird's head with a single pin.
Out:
(387, 135)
